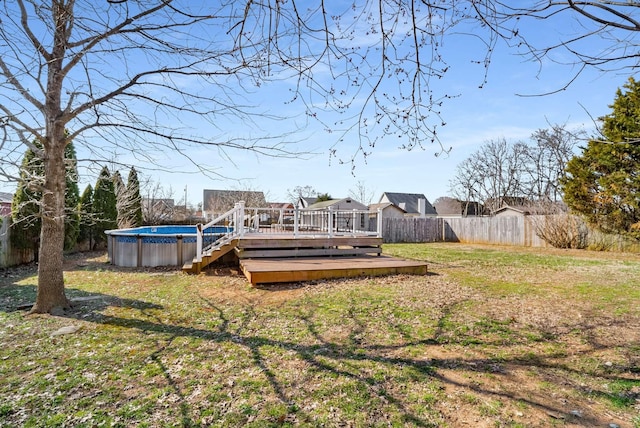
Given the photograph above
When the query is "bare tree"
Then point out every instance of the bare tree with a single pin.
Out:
(547, 158)
(121, 78)
(293, 195)
(158, 204)
(491, 175)
(519, 173)
(218, 201)
(362, 193)
(130, 76)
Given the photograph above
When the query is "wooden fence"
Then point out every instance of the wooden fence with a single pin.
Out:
(508, 230)
(10, 256)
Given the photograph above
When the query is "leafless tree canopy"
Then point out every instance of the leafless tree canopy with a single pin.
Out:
(362, 193)
(307, 191)
(516, 173)
(600, 34)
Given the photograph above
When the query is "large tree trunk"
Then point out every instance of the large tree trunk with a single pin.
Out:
(51, 293)
(50, 275)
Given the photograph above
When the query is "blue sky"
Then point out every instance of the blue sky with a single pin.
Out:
(477, 115)
(472, 117)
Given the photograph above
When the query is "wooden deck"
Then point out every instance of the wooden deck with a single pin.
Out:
(273, 258)
(273, 270)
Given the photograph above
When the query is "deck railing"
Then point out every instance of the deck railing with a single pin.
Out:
(291, 221)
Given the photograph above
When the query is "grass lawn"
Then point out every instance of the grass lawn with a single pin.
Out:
(492, 337)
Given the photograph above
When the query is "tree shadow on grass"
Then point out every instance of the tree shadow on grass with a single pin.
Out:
(334, 359)
(21, 298)
(342, 360)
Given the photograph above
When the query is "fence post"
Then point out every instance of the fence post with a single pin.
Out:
(353, 219)
(199, 242)
(241, 215)
(330, 222)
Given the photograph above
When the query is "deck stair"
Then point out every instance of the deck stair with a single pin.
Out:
(209, 257)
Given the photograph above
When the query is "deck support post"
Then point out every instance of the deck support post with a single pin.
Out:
(179, 250)
(379, 223)
(296, 224)
(139, 252)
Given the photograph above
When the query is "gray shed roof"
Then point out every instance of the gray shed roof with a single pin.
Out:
(408, 201)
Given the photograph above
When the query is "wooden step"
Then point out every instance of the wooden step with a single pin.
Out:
(196, 267)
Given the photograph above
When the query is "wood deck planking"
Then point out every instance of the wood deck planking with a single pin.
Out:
(261, 271)
(274, 258)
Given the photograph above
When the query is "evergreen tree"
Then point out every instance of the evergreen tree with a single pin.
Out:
(603, 183)
(25, 233)
(25, 207)
(104, 206)
(323, 197)
(134, 198)
(87, 220)
(119, 188)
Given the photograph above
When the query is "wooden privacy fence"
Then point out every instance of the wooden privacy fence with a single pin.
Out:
(10, 256)
(508, 230)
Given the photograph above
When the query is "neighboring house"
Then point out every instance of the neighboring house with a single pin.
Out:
(338, 205)
(216, 202)
(492, 205)
(414, 204)
(343, 218)
(452, 207)
(5, 204)
(388, 210)
(524, 210)
(305, 202)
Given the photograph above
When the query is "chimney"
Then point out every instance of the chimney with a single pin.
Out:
(422, 207)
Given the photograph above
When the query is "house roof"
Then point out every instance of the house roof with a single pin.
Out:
(451, 206)
(229, 197)
(6, 197)
(531, 209)
(383, 205)
(326, 204)
(323, 204)
(409, 201)
(285, 205)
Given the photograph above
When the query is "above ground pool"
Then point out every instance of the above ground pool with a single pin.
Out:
(151, 246)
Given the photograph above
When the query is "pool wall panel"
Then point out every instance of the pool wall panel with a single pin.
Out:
(152, 247)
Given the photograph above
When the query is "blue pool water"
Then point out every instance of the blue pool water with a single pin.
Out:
(173, 230)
